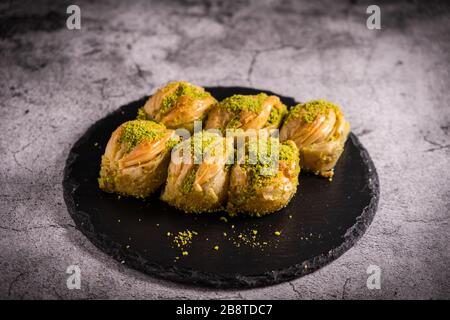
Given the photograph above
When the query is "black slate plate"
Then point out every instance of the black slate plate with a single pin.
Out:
(322, 221)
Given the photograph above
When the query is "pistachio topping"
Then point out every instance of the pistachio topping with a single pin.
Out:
(188, 182)
(288, 152)
(238, 103)
(200, 143)
(141, 114)
(172, 142)
(203, 143)
(267, 152)
(310, 110)
(204, 139)
(277, 114)
(183, 89)
(137, 131)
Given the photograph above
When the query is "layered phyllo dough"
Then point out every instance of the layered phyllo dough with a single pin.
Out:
(247, 112)
(178, 105)
(265, 179)
(319, 130)
(136, 158)
(198, 175)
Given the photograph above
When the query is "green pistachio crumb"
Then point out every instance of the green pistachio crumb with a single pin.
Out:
(238, 103)
(137, 131)
(183, 89)
(276, 115)
(310, 110)
(141, 115)
(288, 152)
(188, 182)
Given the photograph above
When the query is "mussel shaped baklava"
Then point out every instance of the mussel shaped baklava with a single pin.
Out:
(247, 112)
(319, 130)
(265, 179)
(178, 105)
(199, 174)
(136, 158)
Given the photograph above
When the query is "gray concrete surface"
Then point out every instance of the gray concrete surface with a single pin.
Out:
(393, 84)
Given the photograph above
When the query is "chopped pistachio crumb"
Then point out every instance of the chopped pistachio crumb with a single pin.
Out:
(184, 238)
(288, 151)
(188, 182)
(204, 142)
(216, 248)
(310, 110)
(172, 143)
(183, 89)
(136, 131)
(277, 233)
(141, 114)
(262, 167)
(276, 115)
(250, 239)
(238, 103)
(185, 253)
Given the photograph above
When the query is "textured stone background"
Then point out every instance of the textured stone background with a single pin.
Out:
(393, 85)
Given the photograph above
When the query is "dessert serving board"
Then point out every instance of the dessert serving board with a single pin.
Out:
(322, 221)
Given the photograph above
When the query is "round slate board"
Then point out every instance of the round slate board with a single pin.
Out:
(323, 220)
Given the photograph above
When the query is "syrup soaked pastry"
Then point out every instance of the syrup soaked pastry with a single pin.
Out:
(247, 112)
(178, 105)
(266, 179)
(319, 130)
(136, 158)
(198, 173)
